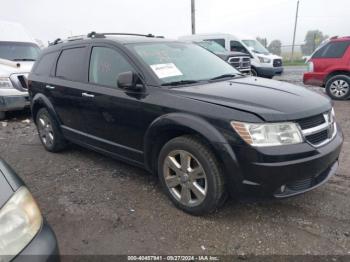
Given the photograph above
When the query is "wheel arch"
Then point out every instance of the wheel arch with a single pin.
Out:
(334, 73)
(40, 101)
(167, 127)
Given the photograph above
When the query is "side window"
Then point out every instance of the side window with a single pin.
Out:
(70, 65)
(105, 66)
(219, 41)
(237, 47)
(332, 50)
(45, 64)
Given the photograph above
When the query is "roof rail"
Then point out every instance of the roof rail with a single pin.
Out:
(57, 41)
(103, 35)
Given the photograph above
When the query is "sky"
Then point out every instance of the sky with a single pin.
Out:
(273, 19)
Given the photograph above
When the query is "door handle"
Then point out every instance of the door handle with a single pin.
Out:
(87, 95)
(50, 87)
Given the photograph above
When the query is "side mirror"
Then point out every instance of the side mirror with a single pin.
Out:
(129, 80)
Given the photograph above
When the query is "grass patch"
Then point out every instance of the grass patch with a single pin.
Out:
(294, 63)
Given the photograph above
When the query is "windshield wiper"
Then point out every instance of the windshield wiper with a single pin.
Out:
(23, 59)
(181, 82)
(225, 76)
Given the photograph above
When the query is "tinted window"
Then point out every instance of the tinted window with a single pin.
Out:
(45, 64)
(219, 41)
(70, 65)
(105, 65)
(332, 50)
(237, 46)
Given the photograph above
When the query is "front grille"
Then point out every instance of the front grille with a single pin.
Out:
(300, 184)
(319, 129)
(19, 81)
(306, 183)
(318, 138)
(240, 63)
(311, 121)
(277, 62)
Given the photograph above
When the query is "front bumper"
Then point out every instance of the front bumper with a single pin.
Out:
(269, 71)
(42, 248)
(10, 103)
(297, 168)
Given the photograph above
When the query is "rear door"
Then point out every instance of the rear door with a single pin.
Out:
(67, 84)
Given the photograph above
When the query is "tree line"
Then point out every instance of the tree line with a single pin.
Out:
(313, 39)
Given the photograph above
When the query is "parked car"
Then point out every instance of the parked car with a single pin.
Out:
(263, 63)
(24, 234)
(329, 67)
(18, 51)
(240, 61)
(183, 113)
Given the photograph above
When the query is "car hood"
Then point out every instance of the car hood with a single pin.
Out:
(269, 99)
(8, 67)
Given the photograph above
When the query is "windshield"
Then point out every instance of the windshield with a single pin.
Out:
(256, 46)
(212, 46)
(176, 61)
(17, 51)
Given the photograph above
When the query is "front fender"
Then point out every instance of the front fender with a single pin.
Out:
(186, 123)
(39, 101)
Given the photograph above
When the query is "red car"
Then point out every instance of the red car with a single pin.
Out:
(329, 66)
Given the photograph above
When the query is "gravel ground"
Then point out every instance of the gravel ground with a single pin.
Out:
(98, 205)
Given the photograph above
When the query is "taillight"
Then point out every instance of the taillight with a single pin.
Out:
(310, 67)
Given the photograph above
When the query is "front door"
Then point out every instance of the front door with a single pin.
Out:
(113, 116)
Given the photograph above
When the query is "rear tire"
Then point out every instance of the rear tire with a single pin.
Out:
(49, 132)
(191, 175)
(338, 87)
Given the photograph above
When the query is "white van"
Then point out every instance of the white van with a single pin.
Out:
(263, 63)
(18, 51)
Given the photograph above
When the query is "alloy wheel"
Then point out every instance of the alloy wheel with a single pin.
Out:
(339, 88)
(45, 130)
(185, 178)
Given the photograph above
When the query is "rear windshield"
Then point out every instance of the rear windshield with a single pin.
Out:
(17, 51)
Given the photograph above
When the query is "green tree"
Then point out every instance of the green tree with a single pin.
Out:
(275, 47)
(313, 39)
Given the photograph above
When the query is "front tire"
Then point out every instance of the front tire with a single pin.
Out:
(49, 133)
(191, 175)
(338, 87)
(253, 72)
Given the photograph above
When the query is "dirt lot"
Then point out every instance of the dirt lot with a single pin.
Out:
(98, 205)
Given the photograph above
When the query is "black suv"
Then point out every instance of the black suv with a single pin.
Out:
(183, 113)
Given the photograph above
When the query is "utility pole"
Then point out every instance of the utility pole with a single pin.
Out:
(295, 30)
(193, 16)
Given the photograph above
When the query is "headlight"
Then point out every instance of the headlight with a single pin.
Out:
(275, 134)
(5, 82)
(264, 59)
(20, 221)
(310, 67)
